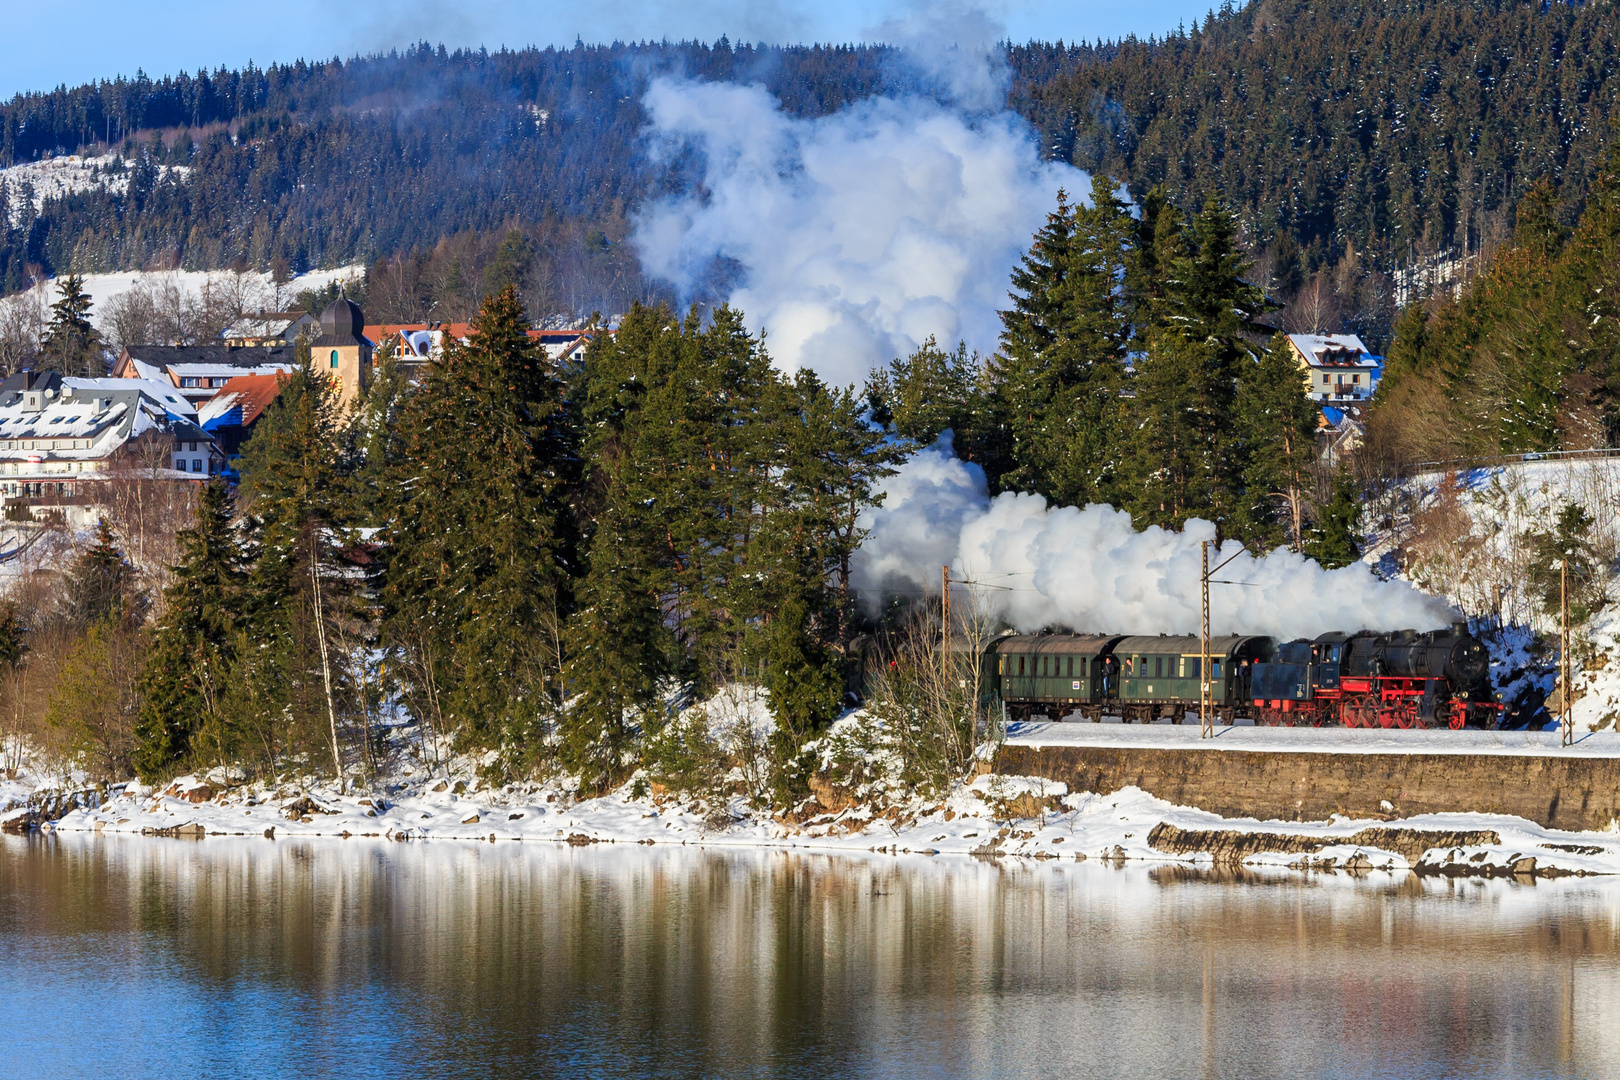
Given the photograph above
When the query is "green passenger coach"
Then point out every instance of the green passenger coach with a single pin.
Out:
(1085, 677)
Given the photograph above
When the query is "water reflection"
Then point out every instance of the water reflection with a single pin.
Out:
(244, 957)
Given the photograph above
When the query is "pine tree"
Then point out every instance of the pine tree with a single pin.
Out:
(1169, 456)
(1063, 349)
(1276, 440)
(1568, 543)
(103, 584)
(481, 542)
(71, 343)
(191, 662)
(1186, 458)
(296, 473)
(1334, 541)
(640, 509)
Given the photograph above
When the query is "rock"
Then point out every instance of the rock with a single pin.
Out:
(1231, 846)
(270, 833)
(17, 823)
(444, 785)
(513, 817)
(301, 809)
(1526, 865)
(189, 829)
(471, 821)
(460, 788)
(580, 839)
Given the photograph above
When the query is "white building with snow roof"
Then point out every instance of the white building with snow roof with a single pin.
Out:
(60, 438)
(1337, 367)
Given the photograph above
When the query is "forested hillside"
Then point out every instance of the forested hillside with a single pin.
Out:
(1398, 128)
(1351, 137)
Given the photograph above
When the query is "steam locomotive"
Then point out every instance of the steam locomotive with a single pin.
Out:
(1391, 680)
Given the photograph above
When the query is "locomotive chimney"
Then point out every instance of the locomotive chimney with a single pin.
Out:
(1459, 628)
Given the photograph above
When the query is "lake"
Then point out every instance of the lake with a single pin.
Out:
(257, 958)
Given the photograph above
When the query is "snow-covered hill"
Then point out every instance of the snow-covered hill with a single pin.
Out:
(51, 178)
(1467, 536)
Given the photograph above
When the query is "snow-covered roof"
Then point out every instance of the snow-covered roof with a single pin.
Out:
(160, 391)
(145, 370)
(105, 412)
(1332, 350)
(225, 371)
(240, 401)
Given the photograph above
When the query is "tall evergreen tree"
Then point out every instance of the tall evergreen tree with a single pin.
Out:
(192, 659)
(1201, 318)
(296, 472)
(103, 584)
(1063, 349)
(481, 541)
(1276, 441)
(1334, 541)
(71, 343)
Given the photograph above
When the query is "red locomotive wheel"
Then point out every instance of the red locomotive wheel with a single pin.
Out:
(1459, 716)
(1386, 717)
(1348, 715)
(1406, 717)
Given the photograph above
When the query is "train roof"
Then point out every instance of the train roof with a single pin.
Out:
(1180, 645)
(1061, 644)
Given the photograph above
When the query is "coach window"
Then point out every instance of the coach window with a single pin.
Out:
(1020, 665)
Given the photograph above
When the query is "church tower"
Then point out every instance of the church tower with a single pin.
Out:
(342, 353)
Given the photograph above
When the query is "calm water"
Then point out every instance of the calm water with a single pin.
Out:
(227, 958)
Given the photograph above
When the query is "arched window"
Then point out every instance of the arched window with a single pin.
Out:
(334, 358)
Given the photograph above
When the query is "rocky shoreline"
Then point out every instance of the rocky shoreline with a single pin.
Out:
(995, 816)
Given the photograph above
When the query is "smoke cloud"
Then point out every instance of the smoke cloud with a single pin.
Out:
(855, 236)
(1090, 570)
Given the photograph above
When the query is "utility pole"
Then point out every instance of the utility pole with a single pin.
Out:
(1205, 719)
(1566, 715)
(945, 626)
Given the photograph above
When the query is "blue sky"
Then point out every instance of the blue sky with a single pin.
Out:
(74, 41)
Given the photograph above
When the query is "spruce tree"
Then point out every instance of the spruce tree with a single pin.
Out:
(191, 661)
(71, 343)
(1334, 541)
(1063, 349)
(102, 584)
(1276, 441)
(620, 648)
(481, 541)
(1169, 457)
(296, 473)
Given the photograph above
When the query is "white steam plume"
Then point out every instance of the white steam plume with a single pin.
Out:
(1090, 571)
(857, 235)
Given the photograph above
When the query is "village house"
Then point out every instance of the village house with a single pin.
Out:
(415, 344)
(271, 328)
(199, 371)
(1337, 368)
(230, 415)
(61, 438)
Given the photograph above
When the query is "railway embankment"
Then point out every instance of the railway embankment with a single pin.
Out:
(1309, 774)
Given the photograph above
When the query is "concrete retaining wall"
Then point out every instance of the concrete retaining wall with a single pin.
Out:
(1561, 792)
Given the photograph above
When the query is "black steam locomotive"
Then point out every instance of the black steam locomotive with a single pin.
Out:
(1391, 680)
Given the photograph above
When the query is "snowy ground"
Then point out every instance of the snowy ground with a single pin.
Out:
(103, 287)
(995, 815)
(992, 815)
(54, 177)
